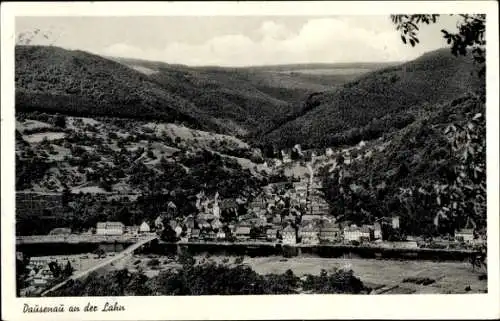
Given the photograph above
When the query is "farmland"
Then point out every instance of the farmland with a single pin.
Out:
(451, 277)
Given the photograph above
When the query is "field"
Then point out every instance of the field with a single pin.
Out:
(451, 277)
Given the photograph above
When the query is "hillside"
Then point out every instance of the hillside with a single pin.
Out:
(108, 159)
(431, 173)
(77, 83)
(236, 101)
(380, 102)
(253, 100)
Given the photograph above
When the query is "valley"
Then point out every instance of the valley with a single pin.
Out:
(358, 155)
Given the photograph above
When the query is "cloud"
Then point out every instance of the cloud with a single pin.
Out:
(318, 40)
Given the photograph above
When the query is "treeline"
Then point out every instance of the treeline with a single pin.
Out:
(80, 106)
(211, 279)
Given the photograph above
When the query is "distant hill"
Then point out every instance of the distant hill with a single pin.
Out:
(236, 101)
(379, 102)
(253, 99)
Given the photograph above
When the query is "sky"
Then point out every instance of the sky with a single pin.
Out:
(236, 40)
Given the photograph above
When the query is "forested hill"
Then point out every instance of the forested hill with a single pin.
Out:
(53, 79)
(235, 101)
(251, 100)
(380, 102)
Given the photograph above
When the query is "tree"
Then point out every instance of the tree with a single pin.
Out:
(55, 269)
(470, 35)
(168, 234)
(68, 270)
(60, 121)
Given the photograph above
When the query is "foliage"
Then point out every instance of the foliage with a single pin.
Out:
(336, 282)
(431, 174)
(470, 35)
(210, 279)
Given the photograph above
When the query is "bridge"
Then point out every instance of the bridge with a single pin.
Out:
(129, 250)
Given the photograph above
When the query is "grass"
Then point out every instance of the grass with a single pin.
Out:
(449, 276)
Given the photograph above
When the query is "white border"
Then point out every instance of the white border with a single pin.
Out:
(253, 307)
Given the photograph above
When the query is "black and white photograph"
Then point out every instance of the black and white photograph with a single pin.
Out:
(250, 155)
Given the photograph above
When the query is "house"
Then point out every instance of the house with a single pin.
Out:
(228, 205)
(257, 221)
(366, 233)
(195, 234)
(178, 230)
(144, 228)
(203, 224)
(285, 157)
(189, 222)
(242, 232)
(258, 202)
(110, 228)
(134, 229)
(271, 234)
(466, 235)
(309, 234)
(159, 222)
(395, 222)
(171, 206)
(377, 231)
(309, 218)
(352, 233)
(210, 236)
(60, 231)
(221, 235)
(216, 208)
(206, 216)
(329, 232)
(289, 235)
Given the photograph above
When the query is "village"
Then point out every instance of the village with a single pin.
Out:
(287, 213)
(292, 213)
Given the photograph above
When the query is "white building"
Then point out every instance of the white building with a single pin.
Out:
(466, 235)
(178, 230)
(329, 232)
(289, 235)
(395, 222)
(110, 228)
(377, 231)
(354, 233)
(159, 222)
(144, 228)
(309, 235)
(216, 208)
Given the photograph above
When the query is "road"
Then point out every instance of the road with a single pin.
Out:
(121, 255)
(79, 238)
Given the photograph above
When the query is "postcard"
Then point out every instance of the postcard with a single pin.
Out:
(250, 160)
